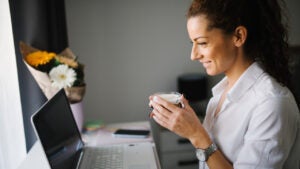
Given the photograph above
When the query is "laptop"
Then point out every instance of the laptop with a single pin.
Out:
(60, 138)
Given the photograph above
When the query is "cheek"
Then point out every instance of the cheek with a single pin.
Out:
(226, 60)
(222, 60)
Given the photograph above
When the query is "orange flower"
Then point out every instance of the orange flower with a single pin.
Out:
(68, 61)
(39, 58)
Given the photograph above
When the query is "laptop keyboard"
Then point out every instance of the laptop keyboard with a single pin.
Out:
(103, 158)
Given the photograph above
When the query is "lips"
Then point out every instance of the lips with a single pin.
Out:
(206, 63)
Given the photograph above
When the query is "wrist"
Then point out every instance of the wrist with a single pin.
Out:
(201, 140)
(204, 154)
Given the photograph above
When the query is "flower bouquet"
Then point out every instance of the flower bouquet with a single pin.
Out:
(55, 71)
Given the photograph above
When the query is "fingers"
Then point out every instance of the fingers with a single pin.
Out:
(167, 105)
(160, 122)
(185, 103)
(160, 114)
(163, 107)
(183, 100)
(182, 121)
(150, 98)
(158, 109)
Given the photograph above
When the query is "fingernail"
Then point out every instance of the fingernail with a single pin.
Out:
(151, 115)
(182, 105)
(150, 103)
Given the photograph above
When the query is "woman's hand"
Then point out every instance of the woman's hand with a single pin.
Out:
(182, 121)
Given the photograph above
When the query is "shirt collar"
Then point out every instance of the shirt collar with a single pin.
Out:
(247, 79)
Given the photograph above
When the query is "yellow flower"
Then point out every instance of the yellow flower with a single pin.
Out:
(39, 58)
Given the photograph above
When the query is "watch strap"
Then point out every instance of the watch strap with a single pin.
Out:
(204, 154)
(210, 150)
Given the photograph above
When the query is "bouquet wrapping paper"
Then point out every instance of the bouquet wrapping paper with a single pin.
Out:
(75, 94)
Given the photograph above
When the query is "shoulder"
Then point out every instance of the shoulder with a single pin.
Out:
(273, 99)
(267, 88)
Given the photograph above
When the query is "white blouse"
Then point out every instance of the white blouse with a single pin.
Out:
(257, 124)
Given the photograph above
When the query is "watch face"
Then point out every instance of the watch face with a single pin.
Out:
(201, 155)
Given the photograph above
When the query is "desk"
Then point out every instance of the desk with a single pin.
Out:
(36, 158)
(104, 136)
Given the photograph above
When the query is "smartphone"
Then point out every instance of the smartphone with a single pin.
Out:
(131, 133)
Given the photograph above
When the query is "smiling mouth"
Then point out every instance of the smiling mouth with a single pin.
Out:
(205, 64)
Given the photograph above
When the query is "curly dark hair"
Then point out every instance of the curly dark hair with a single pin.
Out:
(266, 23)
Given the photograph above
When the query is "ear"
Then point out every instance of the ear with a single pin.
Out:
(240, 36)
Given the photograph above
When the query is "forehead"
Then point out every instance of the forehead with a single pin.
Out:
(199, 27)
(198, 23)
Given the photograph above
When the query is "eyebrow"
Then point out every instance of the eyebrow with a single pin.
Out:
(195, 39)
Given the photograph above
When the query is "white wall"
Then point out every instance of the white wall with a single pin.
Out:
(131, 49)
(12, 139)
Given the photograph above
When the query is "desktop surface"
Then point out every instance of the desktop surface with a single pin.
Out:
(36, 158)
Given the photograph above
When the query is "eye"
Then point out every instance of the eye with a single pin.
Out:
(201, 43)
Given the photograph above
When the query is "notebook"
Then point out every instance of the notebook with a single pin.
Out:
(60, 138)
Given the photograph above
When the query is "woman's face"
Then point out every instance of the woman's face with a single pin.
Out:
(214, 49)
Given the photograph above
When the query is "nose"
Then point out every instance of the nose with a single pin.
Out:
(195, 53)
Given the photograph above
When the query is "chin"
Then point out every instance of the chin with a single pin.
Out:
(212, 73)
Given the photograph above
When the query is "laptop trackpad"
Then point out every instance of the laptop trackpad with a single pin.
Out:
(140, 156)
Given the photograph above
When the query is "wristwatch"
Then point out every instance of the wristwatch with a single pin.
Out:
(204, 154)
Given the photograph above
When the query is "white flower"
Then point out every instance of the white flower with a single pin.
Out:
(62, 76)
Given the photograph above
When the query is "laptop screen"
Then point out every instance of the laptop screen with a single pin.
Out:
(58, 133)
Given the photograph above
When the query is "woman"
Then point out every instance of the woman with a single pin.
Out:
(252, 119)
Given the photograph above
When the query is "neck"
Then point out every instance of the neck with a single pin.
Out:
(237, 70)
